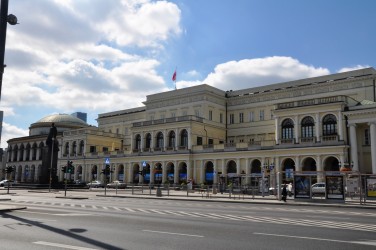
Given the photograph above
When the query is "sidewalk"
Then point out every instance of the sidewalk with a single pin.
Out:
(196, 196)
(240, 198)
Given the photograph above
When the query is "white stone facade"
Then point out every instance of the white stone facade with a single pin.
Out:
(200, 133)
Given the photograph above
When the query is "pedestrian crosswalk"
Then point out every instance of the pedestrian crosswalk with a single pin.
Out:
(229, 217)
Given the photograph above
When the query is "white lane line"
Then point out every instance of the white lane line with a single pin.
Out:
(301, 237)
(161, 232)
(143, 210)
(370, 243)
(51, 244)
(73, 214)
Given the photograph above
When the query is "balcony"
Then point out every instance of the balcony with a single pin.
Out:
(168, 120)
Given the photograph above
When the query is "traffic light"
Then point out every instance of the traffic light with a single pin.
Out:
(106, 170)
(9, 169)
(70, 167)
(64, 169)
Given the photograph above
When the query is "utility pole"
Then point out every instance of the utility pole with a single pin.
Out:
(4, 20)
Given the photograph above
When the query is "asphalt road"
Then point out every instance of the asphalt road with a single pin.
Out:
(118, 223)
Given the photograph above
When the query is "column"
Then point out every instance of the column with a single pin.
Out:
(202, 172)
(238, 166)
(247, 172)
(373, 146)
(130, 173)
(297, 164)
(164, 174)
(189, 169)
(194, 172)
(320, 176)
(296, 128)
(142, 141)
(276, 120)
(224, 170)
(189, 138)
(132, 142)
(152, 173)
(317, 127)
(340, 126)
(176, 173)
(177, 137)
(354, 147)
(215, 174)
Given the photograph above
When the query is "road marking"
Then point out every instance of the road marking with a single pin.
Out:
(73, 214)
(370, 243)
(301, 237)
(51, 244)
(161, 232)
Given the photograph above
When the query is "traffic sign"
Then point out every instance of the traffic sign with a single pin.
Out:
(106, 160)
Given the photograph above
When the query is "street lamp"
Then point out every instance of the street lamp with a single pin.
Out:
(4, 20)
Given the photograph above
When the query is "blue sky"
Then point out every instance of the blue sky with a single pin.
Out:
(99, 56)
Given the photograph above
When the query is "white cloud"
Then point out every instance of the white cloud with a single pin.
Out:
(83, 56)
(9, 132)
(249, 73)
(353, 68)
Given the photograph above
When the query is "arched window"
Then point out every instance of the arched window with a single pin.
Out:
(159, 140)
(137, 144)
(82, 146)
(171, 139)
(288, 129)
(148, 141)
(329, 125)
(184, 138)
(67, 148)
(74, 148)
(308, 127)
(34, 152)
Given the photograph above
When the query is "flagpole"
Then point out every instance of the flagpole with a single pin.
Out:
(174, 77)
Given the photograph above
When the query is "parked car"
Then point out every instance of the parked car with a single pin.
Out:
(95, 184)
(4, 183)
(117, 184)
(318, 188)
(79, 183)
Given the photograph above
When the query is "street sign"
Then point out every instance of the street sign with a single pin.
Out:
(106, 160)
(144, 163)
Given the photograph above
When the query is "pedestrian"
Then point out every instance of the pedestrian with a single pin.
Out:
(289, 189)
(284, 193)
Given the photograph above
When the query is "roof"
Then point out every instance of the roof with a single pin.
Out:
(61, 119)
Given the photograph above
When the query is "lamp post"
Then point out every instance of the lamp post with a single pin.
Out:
(4, 20)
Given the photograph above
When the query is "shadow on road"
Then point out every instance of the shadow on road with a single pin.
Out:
(59, 231)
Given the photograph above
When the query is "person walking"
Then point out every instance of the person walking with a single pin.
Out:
(284, 193)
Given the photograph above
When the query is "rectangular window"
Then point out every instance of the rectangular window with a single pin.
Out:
(221, 118)
(162, 116)
(197, 113)
(105, 149)
(210, 142)
(262, 115)
(199, 140)
(173, 114)
(232, 118)
(241, 117)
(210, 115)
(92, 149)
(251, 116)
(366, 137)
(151, 117)
(185, 113)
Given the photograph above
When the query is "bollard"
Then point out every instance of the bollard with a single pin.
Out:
(159, 192)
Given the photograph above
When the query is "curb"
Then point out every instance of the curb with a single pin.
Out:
(272, 202)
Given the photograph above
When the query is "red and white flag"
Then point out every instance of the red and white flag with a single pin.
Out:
(174, 76)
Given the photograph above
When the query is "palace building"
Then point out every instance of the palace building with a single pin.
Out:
(202, 133)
